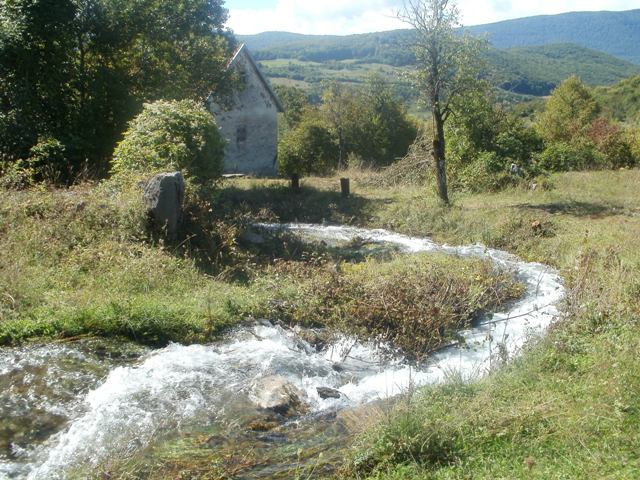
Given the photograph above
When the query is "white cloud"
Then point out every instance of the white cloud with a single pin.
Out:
(343, 17)
(337, 17)
(475, 12)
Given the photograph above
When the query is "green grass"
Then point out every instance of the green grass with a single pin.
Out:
(79, 262)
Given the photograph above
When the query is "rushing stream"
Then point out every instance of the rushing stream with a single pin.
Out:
(81, 404)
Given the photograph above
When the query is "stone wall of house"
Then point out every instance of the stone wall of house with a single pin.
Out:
(250, 126)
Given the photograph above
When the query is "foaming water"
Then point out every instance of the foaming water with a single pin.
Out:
(181, 386)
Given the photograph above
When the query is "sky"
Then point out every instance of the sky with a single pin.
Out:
(344, 17)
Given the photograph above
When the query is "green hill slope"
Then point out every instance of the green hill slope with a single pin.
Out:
(537, 70)
(615, 33)
(524, 71)
(621, 101)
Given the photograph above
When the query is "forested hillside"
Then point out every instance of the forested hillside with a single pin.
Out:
(524, 71)
(529, 56)
(621, 101)
(538, 70)
(615, 33)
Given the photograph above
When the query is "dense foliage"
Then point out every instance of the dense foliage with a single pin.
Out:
(485, 140)
(367, 124)
(621, 102)
(74, 72)
(294, 102)
(568, 112)
(172, 135)
(308, 149)
(578, 136)
(491, 147)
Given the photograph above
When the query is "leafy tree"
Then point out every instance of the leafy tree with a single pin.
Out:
(36, 65)
(485, 140)
(446, 64)
(76, 71)
(308, 149)
(336, 108)
(480, 124)
(569, 112)
(294, 101)
(172, 135)
(368, 122)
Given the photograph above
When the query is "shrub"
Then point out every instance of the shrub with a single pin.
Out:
(309, 149)
(485, 173)
(47, 160)
(15, 175)
(634, 141)
(564, 157)
(609, 139)
(171, 135)
(568, 112)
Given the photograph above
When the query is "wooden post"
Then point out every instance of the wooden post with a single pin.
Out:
(295, 182)
(344, 187)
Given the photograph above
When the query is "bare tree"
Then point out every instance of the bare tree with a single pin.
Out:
(447, 64)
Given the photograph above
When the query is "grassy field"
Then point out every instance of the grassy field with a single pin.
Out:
(77, 262)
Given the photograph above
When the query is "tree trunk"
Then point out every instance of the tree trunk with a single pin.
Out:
(341, 148)
(439, 155)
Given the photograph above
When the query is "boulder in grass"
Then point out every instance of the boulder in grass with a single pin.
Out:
(164, 198)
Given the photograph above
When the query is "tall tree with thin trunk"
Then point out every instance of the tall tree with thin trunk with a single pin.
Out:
(447, 65)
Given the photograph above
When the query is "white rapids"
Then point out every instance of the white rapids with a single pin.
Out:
(180, 385)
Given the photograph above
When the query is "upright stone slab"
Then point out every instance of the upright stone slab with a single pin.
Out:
(164, 197)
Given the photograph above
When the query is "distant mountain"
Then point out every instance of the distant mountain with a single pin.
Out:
(267, 40)
(383, 47)
(615, 33)
(530, 56)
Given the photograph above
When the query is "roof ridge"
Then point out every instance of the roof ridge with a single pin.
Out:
(243, 48)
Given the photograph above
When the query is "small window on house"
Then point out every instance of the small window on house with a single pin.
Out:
(241, 134)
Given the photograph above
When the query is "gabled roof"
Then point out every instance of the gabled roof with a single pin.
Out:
(242, 50)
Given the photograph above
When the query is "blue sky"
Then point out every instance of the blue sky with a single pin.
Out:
(342, 17)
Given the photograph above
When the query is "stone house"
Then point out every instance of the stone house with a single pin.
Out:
(248, 121)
